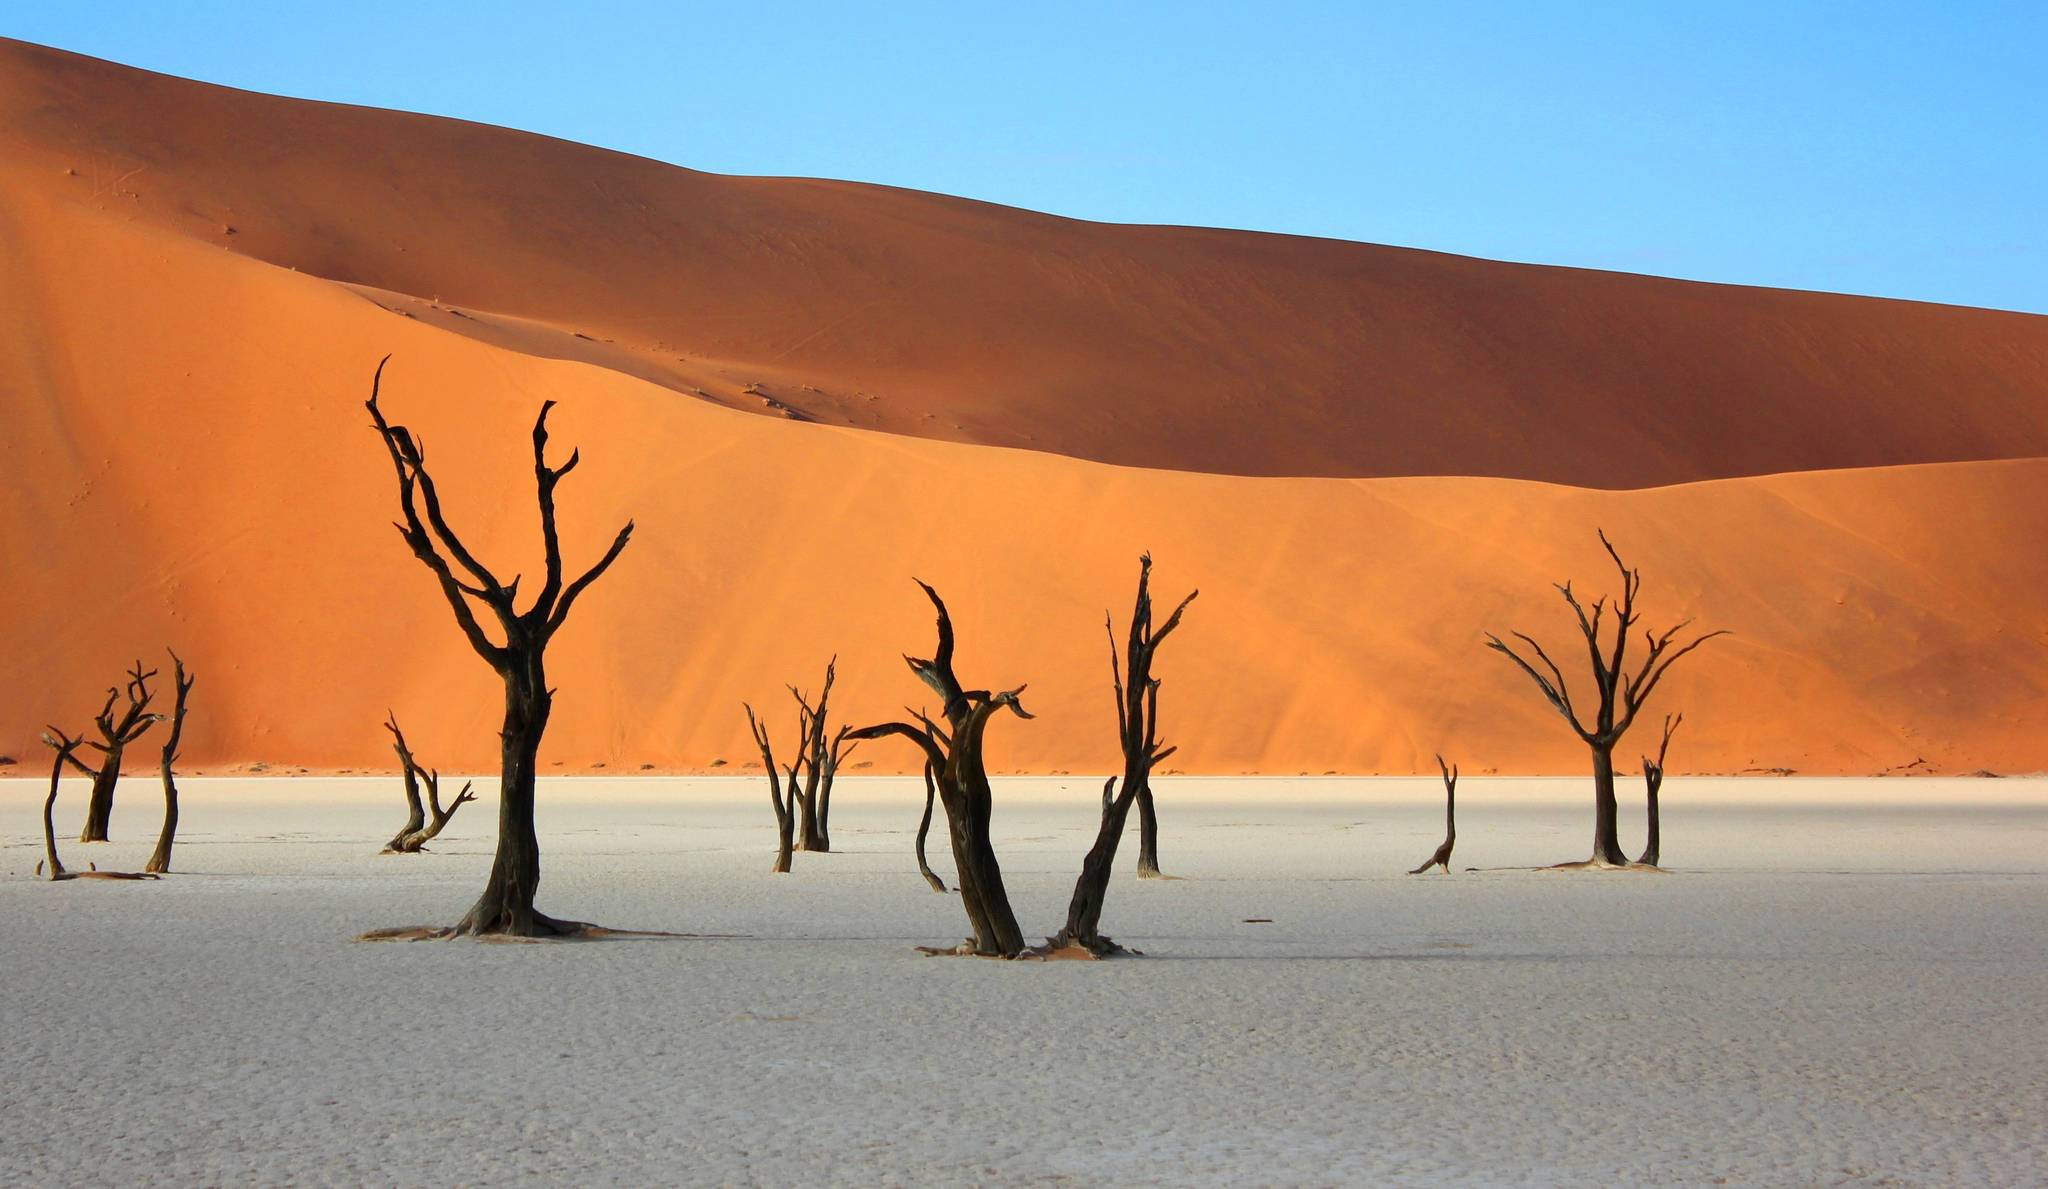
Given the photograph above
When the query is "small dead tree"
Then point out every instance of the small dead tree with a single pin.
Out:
(160, 859)
(785, 812)
(1442, 857)
(1653, 781)
(115, 736)
(819, 759)
(961, 777)
(1137, 722)
(506, 906)
(924, 826)
(66, 749)
(1619, 695)
(424, 819)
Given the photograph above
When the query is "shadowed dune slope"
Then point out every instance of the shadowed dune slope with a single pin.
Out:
(934, 317)
(188, 461)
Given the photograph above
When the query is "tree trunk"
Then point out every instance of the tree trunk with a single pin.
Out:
(100, 809)
(825, 806)
(56, 865)
(809, 837)
(1084, 911)
(1148, 834)
(506, 907)
(1654, 779)
(785, 826)
(415, 808)
(160, 859)
(974, 856)
(1606, 835)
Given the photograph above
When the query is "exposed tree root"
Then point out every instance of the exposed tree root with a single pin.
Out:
(96, 873)
(1603, 865)
(1054, 950)
(562, 931)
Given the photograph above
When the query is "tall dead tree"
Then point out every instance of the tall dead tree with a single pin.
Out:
(66, 749)
(785, 811)
(424, 817)
(1653, 781)
(1137, 721)
(961, 776)
(160, 859)
(506, 906)
(115, 736)
(1619, 696)
(1442, 857)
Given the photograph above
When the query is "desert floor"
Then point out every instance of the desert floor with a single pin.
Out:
(1841, 982)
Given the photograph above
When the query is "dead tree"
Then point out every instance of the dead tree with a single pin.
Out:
(819, 761)
(66, 749)
(785, 812)
(115, 736)
(843, 745)
(160, 859)
(424, 819)
(1653, 780)
(1442, 857)
(961, 776)
(1137, 721)
(1619, 695)
(924, 826)
(506, 906)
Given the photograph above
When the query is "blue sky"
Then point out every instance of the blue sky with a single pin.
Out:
(1883, 148)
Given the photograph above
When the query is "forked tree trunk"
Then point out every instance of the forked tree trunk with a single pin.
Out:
(924, 827)
(506, 906)
(1137, 703)
(1653, 781)
(99, 808)
(961, 776)
(1091, 890)
(1618, 695)
(1442, 857)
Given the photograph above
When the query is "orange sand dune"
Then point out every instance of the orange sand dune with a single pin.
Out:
(188, 462)
(1165, 347)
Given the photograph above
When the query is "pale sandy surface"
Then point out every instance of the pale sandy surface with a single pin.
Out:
(1841, 984)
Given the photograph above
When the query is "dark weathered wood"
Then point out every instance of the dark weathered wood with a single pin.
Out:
(160, 859)
(960, 773)
(1653, 782)
(52, 867)
(506, 906)
(65, 747)
(1442, 857)
(814, 757)
(1620, 694)
(924, 826)
(1137, 721)
(426, 817)
(115, 736)
(785, 817)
